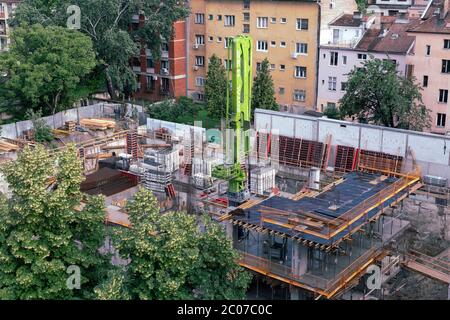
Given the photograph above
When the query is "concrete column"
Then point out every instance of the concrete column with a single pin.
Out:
(299, 259)
(229, 229)
(294, 292)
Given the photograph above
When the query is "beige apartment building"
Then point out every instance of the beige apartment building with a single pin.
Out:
(6, 9)
(284, 32)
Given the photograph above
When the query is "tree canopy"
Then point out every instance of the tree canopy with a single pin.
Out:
(107, 23)
(43, 69)
(42, 233)
(172, 258)
(216, 88)
(376, 93)
(263, 95)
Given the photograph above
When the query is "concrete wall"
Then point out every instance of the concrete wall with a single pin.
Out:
(432, 151)
(98, 110)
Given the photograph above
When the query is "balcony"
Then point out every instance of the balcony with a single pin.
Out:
(164, 54)
(137, 68)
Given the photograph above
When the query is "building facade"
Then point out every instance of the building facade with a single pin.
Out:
(162, 78)
(284, 32)
(329, 11)
(357, 39)
(431, 60)
(6, 10)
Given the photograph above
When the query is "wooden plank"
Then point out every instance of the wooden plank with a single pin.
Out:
(428, 271)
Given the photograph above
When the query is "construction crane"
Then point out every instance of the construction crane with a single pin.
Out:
(240, 50)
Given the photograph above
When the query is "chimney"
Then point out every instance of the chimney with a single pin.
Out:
(445, 9)
(357, 15)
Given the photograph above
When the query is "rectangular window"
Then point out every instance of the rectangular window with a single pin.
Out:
(343, 86)
(443, 95)
(199, 18)
(262, 22)
(447, 44)
(281, 90)
(273, 43)
(200, 97)
(200, 39)
(283, 20)
(246, 28)
(283, 44)
(445, 66)
(200, 82)
(272, 66)
(301, 48)
(282, 67)
(273, 20)
(211, 17)
(246, 4)
(344, 60)
(332, 82)
(246, 16)
(230, 21)
(227, 42)
(362, 56)
(428, 50)
(441, 117)
(299, 95)
(300, 72)
(150, 63)
(262, 46)
(334, 57)
(425, 81)
(199, 61)
(228, 64)
(302, 24)
(219, 17)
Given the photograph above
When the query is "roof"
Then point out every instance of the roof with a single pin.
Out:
(433, 25)
(347, 20)
(396, 40)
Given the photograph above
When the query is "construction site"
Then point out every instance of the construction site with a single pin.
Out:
(311, 204)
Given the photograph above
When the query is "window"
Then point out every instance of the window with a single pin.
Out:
(262, 45)
(246, 16)
(230, 21)
(301, 48)
(283, 44)
(343, 86)
(445, 66)
(164, 64)
(299, 95)
(200, 81)
(302, 24)
(199, 61)
(273, 20)
(150, 63)
(199, 18)
(281, 90)
(362, 56)
(344, 60)
(200, 39)
(282, 67)
(331, 105)
(273, 43)
(200, 97)
(447, 44)
(262, 22)
(332, 81)
(228, 64)
(425, 81)
(165, 47)
(428, 50)
(443, 95)
(219, 17)
(283, 20)
(300, 72)
(334, 56)
(246, 28)
(258, 66)
(211, 17)
(246, 4)
(150, 83)
(211, 39)
(441, 117)
(227, 42)
(219, 39)
(272, 66)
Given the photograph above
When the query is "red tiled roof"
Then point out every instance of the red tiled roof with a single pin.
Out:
(433, 25)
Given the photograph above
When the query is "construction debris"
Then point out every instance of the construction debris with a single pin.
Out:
(98, 124)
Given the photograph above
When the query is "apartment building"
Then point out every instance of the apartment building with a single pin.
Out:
(356, 39)
(284, 32)
(7, 7)
(165, 77)
(431, 60)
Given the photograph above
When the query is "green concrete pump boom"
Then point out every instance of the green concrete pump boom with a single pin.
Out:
(238, 112)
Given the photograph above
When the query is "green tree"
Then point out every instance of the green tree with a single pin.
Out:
(216, 88)
(42, 131)
(172, 259)
(43, 68)
(42, 233)
(263, 95)
(107, 23)
(332, 112)
(377, 93)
